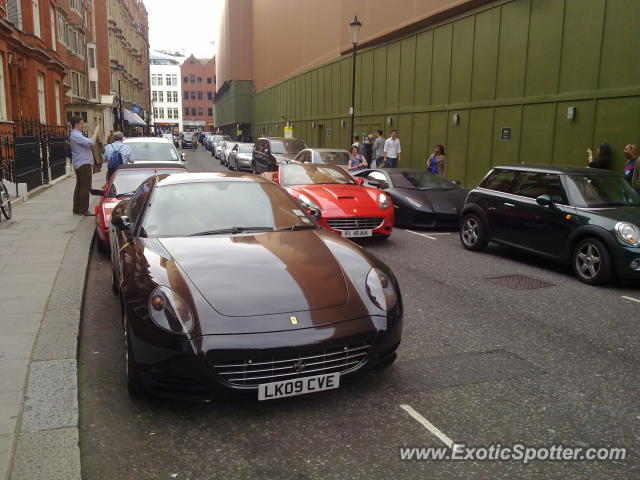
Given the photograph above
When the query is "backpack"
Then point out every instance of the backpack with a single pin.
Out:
(115, 159)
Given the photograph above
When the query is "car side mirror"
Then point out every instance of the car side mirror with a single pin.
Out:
(548, 200)
(121, 222)
(360, 181)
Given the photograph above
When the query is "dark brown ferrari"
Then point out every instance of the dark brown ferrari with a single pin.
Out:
(226, 284)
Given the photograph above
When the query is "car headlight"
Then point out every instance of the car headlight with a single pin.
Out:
(383, 201)
(169, 312)
(380, 289)
(628, 233)
(307, 202)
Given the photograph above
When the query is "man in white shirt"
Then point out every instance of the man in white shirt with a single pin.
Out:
(392, 150)
(126, 154)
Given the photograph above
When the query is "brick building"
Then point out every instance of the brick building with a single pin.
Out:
(198, 90)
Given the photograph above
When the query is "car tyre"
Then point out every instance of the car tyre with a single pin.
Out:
(473, 233)
(134, 384)
(592, 262)
(102, 247)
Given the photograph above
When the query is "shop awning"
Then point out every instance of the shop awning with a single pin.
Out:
(133, 119)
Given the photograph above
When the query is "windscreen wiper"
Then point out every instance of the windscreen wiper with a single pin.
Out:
(298, 226)
(233, 230)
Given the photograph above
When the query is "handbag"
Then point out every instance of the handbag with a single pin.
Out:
(97, 150)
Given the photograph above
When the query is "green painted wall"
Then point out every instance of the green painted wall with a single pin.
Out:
(512, 63)
(235, 105)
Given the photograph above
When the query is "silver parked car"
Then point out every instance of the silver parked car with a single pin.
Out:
(240, 157)
(225, 151)
(332, 156)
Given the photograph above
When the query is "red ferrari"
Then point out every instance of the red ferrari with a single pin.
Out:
(338, 201)
(123, 183)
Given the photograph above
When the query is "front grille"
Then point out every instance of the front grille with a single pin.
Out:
(253, 372)
(354, 223)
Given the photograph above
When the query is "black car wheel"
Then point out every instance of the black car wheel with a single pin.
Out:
(473, 234)
(134, 384)
(592, 262)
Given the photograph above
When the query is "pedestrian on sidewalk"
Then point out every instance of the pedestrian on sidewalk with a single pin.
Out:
(602, 158)
(392, 150)
(436, 162)
(82, 160)
(358, 144)
(357, 162)
(117, 154)
(379, 150)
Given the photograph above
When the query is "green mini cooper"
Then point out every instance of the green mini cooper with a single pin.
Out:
(587, 217)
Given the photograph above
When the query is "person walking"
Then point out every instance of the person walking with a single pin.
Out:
(392, 150)
(379, 150)
(117, 154)
(602, 158)
(368, 149)
(82, 160)
(631, 154)
(357, 161)
(436, 162)
(357, 143)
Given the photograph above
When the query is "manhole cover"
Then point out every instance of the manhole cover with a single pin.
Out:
(519, 282)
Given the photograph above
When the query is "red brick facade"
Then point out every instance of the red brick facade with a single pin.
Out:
(198, 90)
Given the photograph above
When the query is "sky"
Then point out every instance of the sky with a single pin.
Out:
(187, 26)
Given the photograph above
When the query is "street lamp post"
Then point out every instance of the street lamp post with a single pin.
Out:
(354, 27)
(120, 69)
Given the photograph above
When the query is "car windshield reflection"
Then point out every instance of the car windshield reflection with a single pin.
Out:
(212, 208)
(600, 191)
(313, 174)
(287, 145)
(153, 151)
(126, 182)
(423, 180)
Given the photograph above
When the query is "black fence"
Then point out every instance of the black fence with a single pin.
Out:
(35, 154)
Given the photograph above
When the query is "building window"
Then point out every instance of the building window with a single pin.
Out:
(193, 112)
(93, 89)
(161, 112)
(185, 79)
(3, 98)
(209, 80)
(174, 79)
(186, 111)
(193, 95)
(63, 33)
(192, 78)
(186, 94)
(209, 95)
(57, 94)
(52, 17)
(36, 17)
(199, 79)
(78, 86)
(159, 79)
(169, 112)
(75, 4)
(210, 112)
(154, 96)
(175, 96)
(175, 113)
(91, 52)
(41, 99)
(160, 96)
(14, 13)
(155, 112)
(199, 95)
(200, 111)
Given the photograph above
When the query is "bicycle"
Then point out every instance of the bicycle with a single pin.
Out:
(5, 199)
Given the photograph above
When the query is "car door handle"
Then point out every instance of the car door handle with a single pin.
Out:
(508, 204)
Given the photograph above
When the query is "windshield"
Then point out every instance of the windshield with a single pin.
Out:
(287, 145)
(245, 148)
(600, 191)
(188, 136)
(198, 208)
(313, 173)
(153, 151)
(422, 180)
(127, 181)
(334, 158)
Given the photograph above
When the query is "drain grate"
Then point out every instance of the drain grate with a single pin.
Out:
(519, 282)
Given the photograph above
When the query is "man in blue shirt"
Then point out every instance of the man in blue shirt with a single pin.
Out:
(82, 160)
(117, 147)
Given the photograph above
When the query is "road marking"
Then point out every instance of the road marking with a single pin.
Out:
(428, 425)
(420, 234)
(631, 298)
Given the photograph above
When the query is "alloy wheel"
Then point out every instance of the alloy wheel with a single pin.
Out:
(470, 231)
(588, 260)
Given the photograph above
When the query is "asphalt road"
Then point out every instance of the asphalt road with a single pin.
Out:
(482, 362)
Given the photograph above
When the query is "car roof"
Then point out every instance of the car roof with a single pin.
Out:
(151, 165)
(146, 140)
(558, 169)
(203, 177)
(245, 144)
(341, 150)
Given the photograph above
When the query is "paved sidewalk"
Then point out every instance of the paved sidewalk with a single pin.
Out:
(44, 252)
